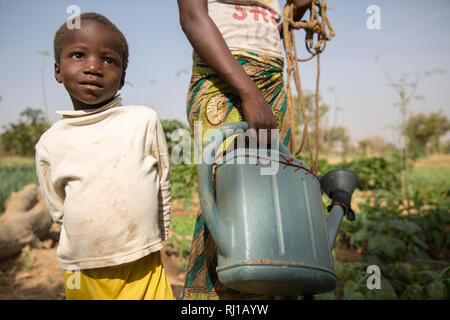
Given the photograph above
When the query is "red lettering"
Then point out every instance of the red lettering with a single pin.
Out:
(273, 17)
(241, 11)
(259, 11)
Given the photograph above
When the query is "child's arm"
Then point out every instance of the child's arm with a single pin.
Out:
(209, 44)
(160, 153)
(53, 201)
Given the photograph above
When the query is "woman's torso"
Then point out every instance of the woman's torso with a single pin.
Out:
(249, 25)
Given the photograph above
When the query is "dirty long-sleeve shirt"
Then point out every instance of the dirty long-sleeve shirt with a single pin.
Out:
(104, 175)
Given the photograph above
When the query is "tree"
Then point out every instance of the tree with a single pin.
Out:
(336, 106)
(21, 137)
(406, 90)
(32, 116)
(331, 138)
(335, 139)
(309, 100)
(446, 147)
(375, 146)
(424, 132)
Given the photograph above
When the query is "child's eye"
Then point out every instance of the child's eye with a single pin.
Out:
(77, 55)
(109, 60)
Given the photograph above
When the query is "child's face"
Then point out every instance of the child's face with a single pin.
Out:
(91, 65)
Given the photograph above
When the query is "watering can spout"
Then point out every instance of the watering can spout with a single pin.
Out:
(339, 185)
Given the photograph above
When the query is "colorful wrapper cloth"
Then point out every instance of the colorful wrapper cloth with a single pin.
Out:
(212, 103)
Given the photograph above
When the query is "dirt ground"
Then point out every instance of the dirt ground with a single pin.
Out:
(35, 274)
(439, 160)
(432, 160)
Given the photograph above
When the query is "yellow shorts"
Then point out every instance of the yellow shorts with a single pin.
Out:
(143, 279)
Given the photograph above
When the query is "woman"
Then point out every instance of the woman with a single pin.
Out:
(237, 75)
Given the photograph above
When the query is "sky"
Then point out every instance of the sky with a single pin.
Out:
(413, 37)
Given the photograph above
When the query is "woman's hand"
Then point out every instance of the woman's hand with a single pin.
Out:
(300, 7)
(258, 113)
(299, 4)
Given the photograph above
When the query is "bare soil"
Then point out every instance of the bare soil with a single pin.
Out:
(34, 273)
(438, 160)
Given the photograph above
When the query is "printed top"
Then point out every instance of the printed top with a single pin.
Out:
(249, 25)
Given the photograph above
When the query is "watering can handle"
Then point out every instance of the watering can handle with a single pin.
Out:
(225, 131)
(221, 230)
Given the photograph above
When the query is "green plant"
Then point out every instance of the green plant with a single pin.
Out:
(184, 180)
(373, 173)
(169, 126)
(403, 246)
(180, 241)
(430, 185)
(15, 176)
(27, 262)
(184, 226)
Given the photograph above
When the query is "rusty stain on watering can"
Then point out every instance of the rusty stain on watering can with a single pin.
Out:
(264, 261)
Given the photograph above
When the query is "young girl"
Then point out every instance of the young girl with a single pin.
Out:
(103, 170)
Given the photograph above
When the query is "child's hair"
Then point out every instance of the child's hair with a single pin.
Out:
(60, 34)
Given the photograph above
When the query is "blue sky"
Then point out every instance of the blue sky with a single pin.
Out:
(414, 36)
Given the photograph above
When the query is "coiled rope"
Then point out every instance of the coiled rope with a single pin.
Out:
(318, 24)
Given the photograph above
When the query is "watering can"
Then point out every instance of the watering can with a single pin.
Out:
(272, 234)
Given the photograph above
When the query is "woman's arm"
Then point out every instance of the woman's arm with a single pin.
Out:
(209, 44)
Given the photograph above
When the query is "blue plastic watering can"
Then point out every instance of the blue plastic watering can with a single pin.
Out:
(271, 230)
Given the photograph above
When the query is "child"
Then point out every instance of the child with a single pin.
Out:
(104, 172)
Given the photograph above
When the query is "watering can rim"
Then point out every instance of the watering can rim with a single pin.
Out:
(290, 160)
(248, 153)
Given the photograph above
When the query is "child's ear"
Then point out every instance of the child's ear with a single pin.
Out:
(122, 81)
(58, 73)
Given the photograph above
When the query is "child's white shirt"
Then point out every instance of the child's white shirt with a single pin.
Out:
(104, 176)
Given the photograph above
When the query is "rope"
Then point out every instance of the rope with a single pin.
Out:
(318, 24)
